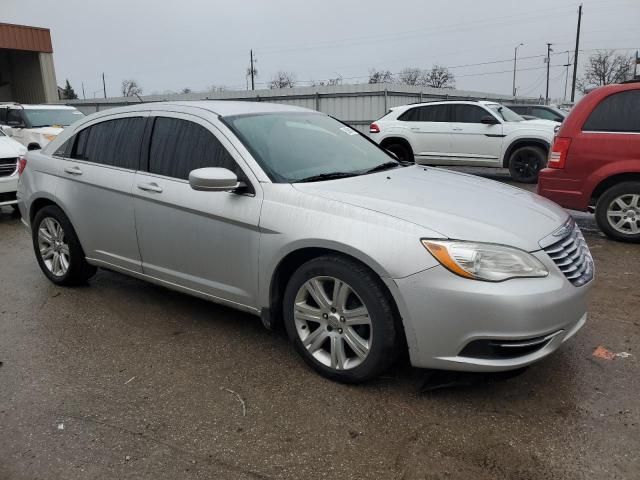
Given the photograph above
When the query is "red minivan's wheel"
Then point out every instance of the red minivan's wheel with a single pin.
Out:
(618, 212)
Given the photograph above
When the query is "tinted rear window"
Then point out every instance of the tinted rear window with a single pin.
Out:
(619, 112)
(114, 142)
(427, 113)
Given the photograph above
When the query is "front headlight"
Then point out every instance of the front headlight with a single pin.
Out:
(485, 261)
(51, 138)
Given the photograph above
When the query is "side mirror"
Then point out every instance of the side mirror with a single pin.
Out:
(489, 120)
(34, 146)
(213, 179)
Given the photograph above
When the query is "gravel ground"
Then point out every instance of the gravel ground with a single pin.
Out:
(122, 379)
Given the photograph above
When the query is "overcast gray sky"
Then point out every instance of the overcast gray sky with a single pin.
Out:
(198, 43)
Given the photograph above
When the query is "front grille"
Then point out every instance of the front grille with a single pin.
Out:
(572, 256)
(8, 166)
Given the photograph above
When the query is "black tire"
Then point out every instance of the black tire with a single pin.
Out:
(402, 151)
(526, 162)
(78, 270)
(623, 191)
(385, 341)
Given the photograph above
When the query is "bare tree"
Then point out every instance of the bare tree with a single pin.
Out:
(329, 82)
(186, 90)
(380, 76)
(439, 77)
(216, 88)
(283, 80)
(130, 88)
(604, 68)
(411, 76)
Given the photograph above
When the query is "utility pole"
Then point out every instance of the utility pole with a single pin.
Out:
(546, 98)
(253, 85)
(84, 97)
(566, 78)
(575, 56)
(104, 86)
(515, 60)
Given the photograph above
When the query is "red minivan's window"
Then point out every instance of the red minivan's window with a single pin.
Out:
(619, 112)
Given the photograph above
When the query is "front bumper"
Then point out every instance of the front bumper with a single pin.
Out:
(8, 187)
(445, 315)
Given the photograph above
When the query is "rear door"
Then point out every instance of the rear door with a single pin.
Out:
(98, 166)
(202, 241)
(473, 142)
(429, 129)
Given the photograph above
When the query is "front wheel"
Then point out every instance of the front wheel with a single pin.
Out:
(526, 162)
(58, 249)
(340, 319)
(402, 152)
(618, 212)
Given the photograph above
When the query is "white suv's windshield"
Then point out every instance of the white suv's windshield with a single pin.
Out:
(299, 147)
(505, 113)
(48, 117)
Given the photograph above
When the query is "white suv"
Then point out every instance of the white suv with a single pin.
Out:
(35, 126)
(471, 133)
(10, 153)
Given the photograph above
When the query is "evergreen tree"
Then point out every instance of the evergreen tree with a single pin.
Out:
(68, 93)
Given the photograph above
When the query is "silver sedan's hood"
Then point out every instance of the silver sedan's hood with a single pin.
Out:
(457, 205)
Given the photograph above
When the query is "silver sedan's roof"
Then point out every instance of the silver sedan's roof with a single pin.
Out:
(224, 108)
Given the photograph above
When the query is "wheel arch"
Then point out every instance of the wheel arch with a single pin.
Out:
(611, 181)
(272, 315)
(524, 142)
(395, 139)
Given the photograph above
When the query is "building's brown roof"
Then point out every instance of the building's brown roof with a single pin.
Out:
(22, 37)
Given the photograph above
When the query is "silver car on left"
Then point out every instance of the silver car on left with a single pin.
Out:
(288, 214)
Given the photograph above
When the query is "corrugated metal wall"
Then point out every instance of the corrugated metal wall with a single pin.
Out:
(357, 105)
(48, 75)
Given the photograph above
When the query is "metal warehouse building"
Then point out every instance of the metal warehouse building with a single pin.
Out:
(26, 65)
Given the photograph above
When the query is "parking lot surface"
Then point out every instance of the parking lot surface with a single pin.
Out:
(123, 379)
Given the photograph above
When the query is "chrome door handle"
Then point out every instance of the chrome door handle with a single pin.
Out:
(150, 187)
(457, 129)
(73, 170)
(415, 129)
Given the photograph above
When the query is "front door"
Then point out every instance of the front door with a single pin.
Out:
(473, 142)
(201, 241)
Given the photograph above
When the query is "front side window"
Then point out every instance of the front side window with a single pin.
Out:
(619, 112)
(14, 117)
(292, 147)
(547, 114)
(468, 113)
(48, 117)
(113, 142)
(179, 146)
(520, 110)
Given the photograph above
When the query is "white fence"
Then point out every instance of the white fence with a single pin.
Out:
(358, 105)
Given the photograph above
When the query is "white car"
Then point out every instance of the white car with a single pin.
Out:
(469, 133)
(10, 152)
(34, 126)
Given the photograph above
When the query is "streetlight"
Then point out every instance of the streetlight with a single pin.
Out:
(515, 60)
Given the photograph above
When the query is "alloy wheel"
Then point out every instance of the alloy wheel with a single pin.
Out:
(52, 246)
(333, 323)
(623, 214)
(526, 164)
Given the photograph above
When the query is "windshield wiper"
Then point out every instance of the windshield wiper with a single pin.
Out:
(327, 176)
(383, 166)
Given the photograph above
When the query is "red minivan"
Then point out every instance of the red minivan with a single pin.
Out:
(595, 160)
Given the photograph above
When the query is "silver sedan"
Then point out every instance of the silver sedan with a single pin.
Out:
(291, 215)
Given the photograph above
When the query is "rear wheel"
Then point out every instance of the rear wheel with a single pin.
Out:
(58, 249)
(618, 212)
(402, 151)
(340, 319)
(526, 162)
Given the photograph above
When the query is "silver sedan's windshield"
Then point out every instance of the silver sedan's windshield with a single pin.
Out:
(295, 147)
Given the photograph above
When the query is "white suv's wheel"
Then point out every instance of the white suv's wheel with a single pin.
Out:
(526, 162)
